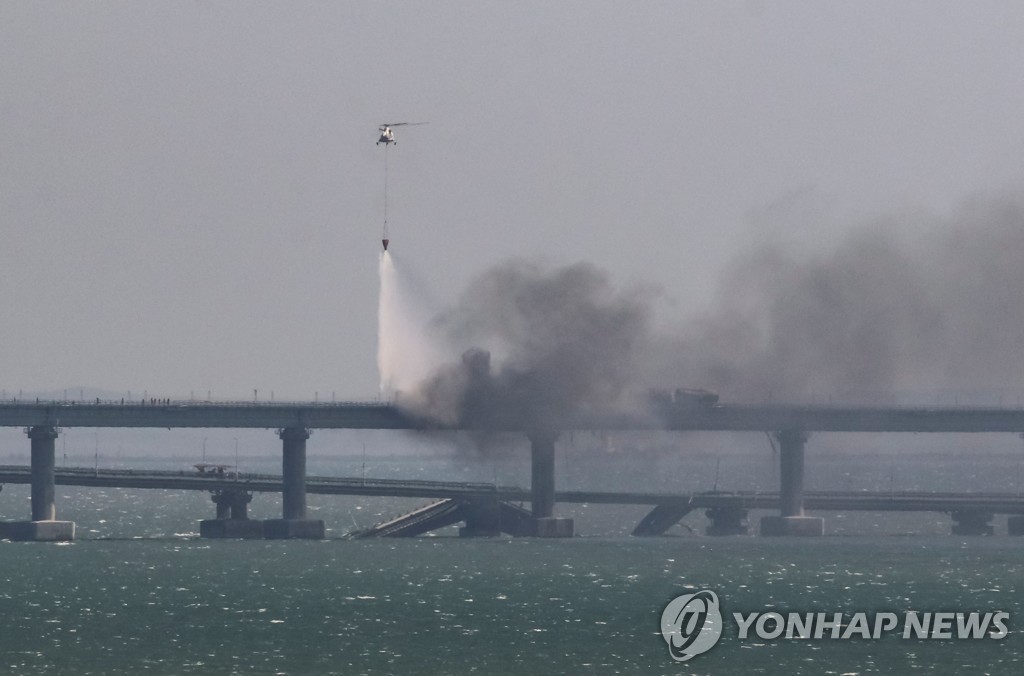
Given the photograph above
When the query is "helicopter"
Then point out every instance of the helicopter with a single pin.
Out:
(387, 137)
(387, 134)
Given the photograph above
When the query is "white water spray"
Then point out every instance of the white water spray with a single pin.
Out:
(406, 349)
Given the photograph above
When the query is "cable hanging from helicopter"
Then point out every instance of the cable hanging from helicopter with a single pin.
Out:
(387, 137)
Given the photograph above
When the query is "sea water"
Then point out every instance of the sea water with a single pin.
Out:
(450, 606)
(139, 592)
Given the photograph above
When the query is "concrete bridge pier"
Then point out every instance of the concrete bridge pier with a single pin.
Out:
(43, 526)
(792, 520)
(294, 523)
(223, 504)
(232, 517)
(972, 522)
(240, 505)
(542, 487)
(727, 521)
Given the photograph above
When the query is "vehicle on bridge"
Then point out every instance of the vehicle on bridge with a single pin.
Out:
(209, 469)
(695, 396)
(683, 396)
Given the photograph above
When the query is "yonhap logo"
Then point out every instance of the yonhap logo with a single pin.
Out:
(691, 624)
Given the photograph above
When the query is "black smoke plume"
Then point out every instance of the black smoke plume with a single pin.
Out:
(893, 312)
(540, 348)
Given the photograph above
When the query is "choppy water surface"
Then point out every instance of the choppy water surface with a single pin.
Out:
(443, 605)
(140, 593)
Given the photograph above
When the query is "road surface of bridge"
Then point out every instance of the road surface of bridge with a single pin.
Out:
(370, 415)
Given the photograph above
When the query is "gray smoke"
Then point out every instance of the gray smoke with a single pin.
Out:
(893, 311)
(539, 348)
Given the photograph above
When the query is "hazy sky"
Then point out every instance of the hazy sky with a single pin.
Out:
(191, 198)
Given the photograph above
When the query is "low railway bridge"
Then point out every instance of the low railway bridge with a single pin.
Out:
(791, 425)
(490, 509)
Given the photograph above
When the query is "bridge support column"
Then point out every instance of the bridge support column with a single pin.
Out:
(542, 487)
(232, 517)
(542, 474)
(43, 525)
(293, 491)
(791, 490)
(972, 522)
(293, 472)
(240, 505)
(44, 506)
(223, 503)
(727, 521)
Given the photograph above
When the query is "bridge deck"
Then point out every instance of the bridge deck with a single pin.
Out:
(1001, 503)
(369, 415)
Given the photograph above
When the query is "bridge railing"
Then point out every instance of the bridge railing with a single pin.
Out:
(167, 402)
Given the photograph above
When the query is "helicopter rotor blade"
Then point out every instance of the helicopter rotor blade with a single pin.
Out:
(402, 124)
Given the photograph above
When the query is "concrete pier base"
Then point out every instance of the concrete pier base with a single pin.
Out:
(553, 527)
(37, 531)
(231, 503)
(294, 529)
(973, 523)
(243, 529)
(727, 521)
(1015, 525)
(802, 526)
(232, 517)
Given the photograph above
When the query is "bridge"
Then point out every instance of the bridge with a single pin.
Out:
(383, 416)
(486, 508)
(790, 425)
